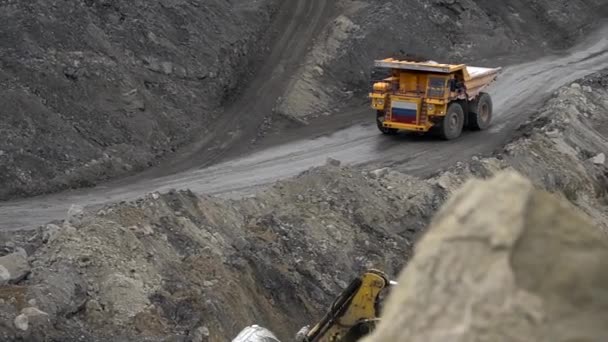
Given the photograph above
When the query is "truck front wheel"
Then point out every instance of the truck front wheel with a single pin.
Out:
(453, 122)
(480, 112)
(380, 120)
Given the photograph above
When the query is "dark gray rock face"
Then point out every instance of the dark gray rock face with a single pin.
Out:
(90, 90)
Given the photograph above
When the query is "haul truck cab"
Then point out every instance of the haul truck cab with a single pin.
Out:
(420, 96)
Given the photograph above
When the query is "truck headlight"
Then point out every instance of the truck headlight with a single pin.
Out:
(430, 107)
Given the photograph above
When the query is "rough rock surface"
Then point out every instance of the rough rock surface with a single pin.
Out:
(13, 267)
(92, 89)
(95, 89)
(502, 261)
(338, 67)
(175, 266)
(555, 149)
(169, 264)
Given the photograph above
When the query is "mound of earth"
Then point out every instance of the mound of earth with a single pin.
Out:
(503, 261)
(181, 267)
(98, 88)
(562, 149)
(338, 69)
(173, 265)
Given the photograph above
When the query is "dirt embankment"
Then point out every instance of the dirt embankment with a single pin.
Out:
(175, 264)
(563, 149)
(91, 90)
(94, 89)
(338, 68)
(184, 268)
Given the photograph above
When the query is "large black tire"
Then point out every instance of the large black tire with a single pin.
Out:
(453, 122)
(380, 120)
(480, 112)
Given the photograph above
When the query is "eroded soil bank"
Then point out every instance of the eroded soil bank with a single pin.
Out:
(180, 267)
(95, 90)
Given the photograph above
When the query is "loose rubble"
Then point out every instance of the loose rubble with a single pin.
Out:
(600, 159)
(92, 90)
(14, 267)
(338, 67)
(502, 261)
(105, 89)
(180, 267)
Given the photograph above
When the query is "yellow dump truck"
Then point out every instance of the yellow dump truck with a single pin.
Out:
(428, 96)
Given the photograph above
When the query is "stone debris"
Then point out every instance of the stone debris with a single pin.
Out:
(600, 159)
(30, 315)
(518, 262)
(380, 173)
(157, 110)
(50, 232)
(21, 322)
(74, 215)
(201, 334)
(124, 297)
(175, 265)
(135, 122)
(14, 267)
(333, 162)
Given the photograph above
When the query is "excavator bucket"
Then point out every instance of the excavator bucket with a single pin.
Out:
(352, 315)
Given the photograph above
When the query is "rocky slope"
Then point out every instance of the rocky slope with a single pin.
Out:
(338, 68)
(98, 88)
(180, 267)
(502, 261)
(108, 87)
(562, 149)
(175, 264)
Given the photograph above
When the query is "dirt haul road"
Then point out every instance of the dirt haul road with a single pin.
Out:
(519, 90)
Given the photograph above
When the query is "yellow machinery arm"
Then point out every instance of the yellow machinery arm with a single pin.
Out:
(353, 314)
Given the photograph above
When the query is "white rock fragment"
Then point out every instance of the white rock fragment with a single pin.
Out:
(21, 322)
(379, 173)
(74, 214)
(600, 159)
(552, 133)
(32, 311)
(14, 267)
(201, 334)
(50, 233)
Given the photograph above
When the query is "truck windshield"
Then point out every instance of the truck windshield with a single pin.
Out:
(437, 87)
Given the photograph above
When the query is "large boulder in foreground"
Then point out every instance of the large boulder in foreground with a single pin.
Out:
(502, 261)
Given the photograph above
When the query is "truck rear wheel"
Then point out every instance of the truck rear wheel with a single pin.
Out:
(480, 112)
(380, 120)
(453, 122)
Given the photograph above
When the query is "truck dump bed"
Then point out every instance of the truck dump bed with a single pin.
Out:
(475, 78)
